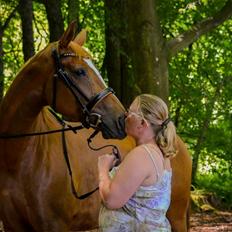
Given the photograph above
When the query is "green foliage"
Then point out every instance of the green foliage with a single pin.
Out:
(92, 18)
(217, 179)
(200, 83)
(12, 48)
(214, 179)
(200, 95)
(180, 15)
(40, 25)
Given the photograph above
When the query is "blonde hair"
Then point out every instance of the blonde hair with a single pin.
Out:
(155, 111)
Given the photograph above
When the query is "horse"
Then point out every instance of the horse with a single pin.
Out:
(43, 176)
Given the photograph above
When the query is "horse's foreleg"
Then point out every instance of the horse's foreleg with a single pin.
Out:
(12, 221)
(179, 219)
(56, 226)
(16, 226)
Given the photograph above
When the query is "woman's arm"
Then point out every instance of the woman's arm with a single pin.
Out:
(134, 169)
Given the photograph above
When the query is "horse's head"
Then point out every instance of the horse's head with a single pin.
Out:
(77, 90)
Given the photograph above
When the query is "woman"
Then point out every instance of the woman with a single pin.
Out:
(136, 194)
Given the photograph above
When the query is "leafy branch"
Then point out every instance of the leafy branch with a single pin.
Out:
(180, 42)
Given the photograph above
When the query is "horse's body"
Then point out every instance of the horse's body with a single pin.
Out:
(35, 185)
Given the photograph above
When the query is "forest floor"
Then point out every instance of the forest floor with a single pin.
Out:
(214, 221)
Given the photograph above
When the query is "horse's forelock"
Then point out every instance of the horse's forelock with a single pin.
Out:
(79, 50)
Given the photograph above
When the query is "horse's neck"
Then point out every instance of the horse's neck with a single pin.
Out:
(24, 99)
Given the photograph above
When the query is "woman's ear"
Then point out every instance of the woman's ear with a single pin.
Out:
(144, 122)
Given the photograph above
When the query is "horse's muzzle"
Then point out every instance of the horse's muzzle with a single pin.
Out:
(114, 131)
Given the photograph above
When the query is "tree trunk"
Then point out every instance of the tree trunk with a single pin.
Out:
(55, 20)
(2, 29)
(1, 67)
(149, 56)
(73, 12)
(116, 58)
(204, 128)
(26, 14)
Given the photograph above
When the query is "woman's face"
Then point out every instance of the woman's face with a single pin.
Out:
(133, 119)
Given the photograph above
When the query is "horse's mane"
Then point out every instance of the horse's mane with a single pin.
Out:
(46, 120)
(33, 58)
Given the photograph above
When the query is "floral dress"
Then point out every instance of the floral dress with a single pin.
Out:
(145, 211)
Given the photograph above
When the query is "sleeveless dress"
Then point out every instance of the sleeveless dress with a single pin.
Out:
(145, 211)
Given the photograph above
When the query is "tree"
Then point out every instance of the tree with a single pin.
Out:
(116, 60)
(204, 127)
(73, 11)
(151, 51)
(4, 24)
(26, 14)
(200, 80)
(55, 19)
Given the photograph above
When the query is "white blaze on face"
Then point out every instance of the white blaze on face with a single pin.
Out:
(91, 65)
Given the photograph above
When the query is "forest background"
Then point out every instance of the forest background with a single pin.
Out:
(180, 50)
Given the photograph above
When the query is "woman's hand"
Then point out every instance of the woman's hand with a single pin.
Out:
(106, 162)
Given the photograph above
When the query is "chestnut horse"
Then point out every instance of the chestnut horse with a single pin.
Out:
(37, 180)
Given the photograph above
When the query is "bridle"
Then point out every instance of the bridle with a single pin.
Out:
(90, 118)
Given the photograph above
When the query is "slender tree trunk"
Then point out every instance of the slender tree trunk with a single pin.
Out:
(55, 19)
(113, 44)
(1, 67)
(2, 29)
(26, 14)
(73, 12)
(204, 128)
(113, 47)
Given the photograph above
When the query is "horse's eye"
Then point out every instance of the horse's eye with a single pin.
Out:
(80, 72)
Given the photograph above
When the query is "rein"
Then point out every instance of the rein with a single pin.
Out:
(91, 119)
(67, 127)
(15, 136)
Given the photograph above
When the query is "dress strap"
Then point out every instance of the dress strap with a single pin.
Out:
(152, 158)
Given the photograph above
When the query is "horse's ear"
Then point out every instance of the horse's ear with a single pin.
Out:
(68, 35)
(81, 37)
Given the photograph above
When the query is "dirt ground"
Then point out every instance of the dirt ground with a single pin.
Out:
(211, 221)
(217, 221)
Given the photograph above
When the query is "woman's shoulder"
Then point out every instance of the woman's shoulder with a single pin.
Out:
(141, 153)
(136, 156)
(138, 150)
(152, 152)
